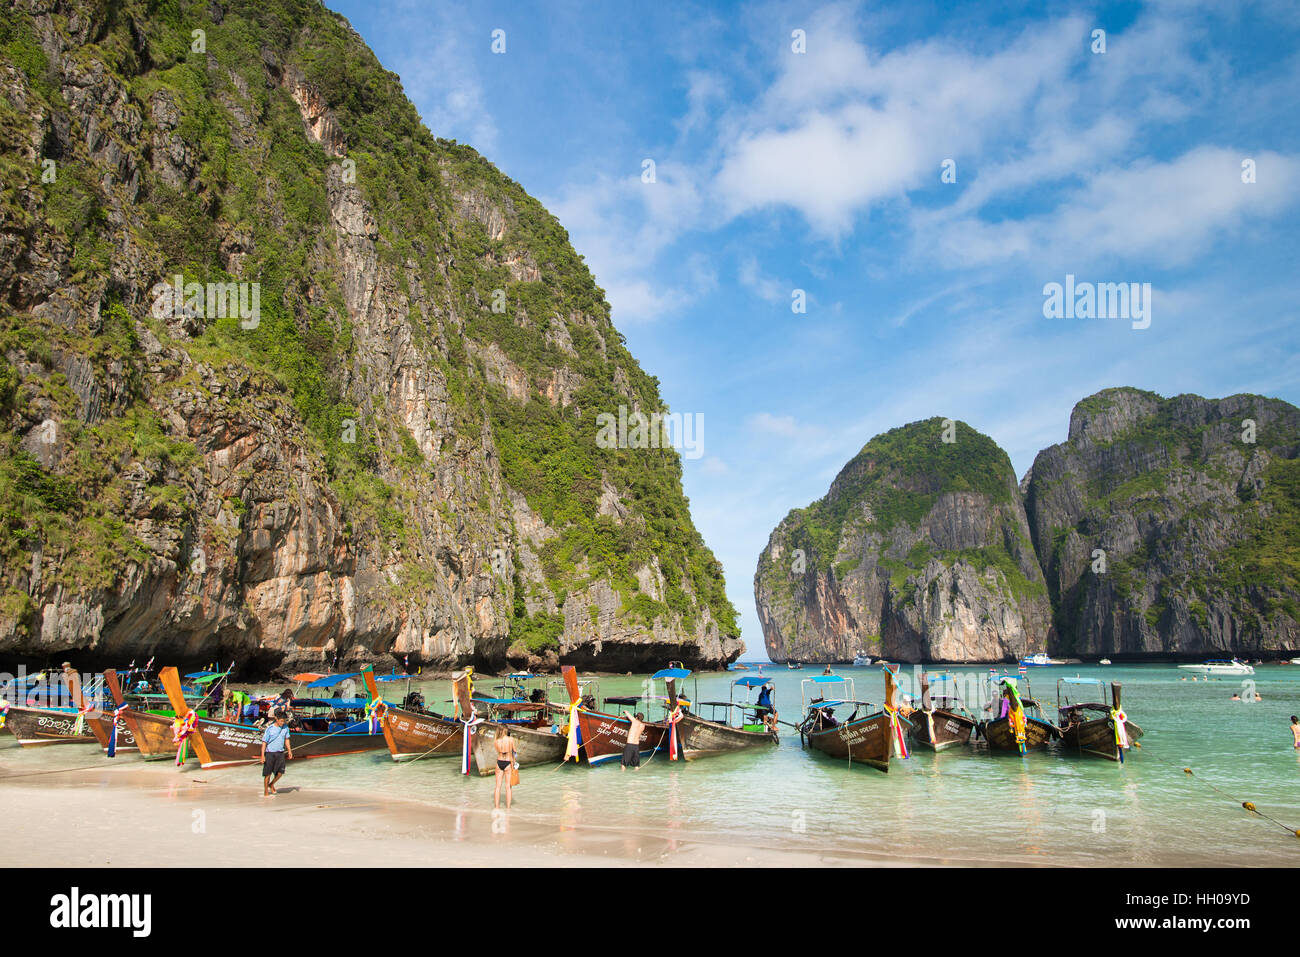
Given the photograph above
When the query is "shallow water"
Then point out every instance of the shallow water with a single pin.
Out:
(959, 806)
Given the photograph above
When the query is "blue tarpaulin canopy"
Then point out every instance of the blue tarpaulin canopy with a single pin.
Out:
(330, 703)
(671, 673)
(1082, 681)
(752, 681)
(200, 674)
(825, 679)
(330, 680)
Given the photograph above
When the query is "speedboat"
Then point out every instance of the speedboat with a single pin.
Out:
(1040, 658)
(1218, 666)
(862, 660)
(1104, 661)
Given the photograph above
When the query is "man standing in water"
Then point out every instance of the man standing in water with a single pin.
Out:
(632, 750)
(505, 746)
(275, 742)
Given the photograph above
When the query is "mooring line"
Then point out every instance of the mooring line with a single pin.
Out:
(1248, 805)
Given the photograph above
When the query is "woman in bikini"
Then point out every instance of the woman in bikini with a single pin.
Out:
(505, 746)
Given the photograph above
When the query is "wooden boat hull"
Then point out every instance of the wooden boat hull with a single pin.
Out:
(36, 727)
(414, 734)
(532, 746)
(701, 738)
(152, 734)
(868, 741)
(1000, 737)
(100, 724)
(1097, 736)
(230, 744)
(604, 736)
(946, 730)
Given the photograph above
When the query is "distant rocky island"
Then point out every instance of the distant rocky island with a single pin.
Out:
(1159, 528)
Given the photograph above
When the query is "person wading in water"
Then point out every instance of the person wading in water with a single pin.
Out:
(632, 750)
(505, 746)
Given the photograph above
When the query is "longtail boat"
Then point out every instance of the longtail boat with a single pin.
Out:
(321, 727)
(1094, 727)
(942, 721)
(603, 736)
(35, 725)
(411, 731)
(1023, 728)
(755, 721)
(150, 718)
(871, 740)
(529, 721)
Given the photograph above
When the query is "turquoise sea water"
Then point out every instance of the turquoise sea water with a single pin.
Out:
(958, 806)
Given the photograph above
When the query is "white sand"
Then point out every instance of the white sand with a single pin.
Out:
(138, 814)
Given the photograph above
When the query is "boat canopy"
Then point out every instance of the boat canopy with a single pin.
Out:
(345, 703)
(480, 699)
(671, 673)
(752, 681)
(1081, 681)
(200, 674)
(825, 679)
(328, 681)
(207, 679)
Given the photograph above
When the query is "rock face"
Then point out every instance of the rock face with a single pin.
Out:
(1160, 527)
(1172, 526)
(286, 379)
(919, 551)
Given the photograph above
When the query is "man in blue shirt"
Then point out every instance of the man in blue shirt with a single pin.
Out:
(275, 742)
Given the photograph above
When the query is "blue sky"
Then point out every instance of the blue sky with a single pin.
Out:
(821, 171)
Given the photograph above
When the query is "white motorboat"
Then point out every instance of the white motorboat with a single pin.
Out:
(1220, 667)
(1104, 661)
(1040, 659)
(861, 660)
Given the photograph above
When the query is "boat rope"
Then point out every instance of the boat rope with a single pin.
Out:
(441, 741)
(1248, 805)
(36, 774)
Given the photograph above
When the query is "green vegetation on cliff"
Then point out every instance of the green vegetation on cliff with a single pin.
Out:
(229, 185)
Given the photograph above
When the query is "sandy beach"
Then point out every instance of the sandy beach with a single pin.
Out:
(128, 813)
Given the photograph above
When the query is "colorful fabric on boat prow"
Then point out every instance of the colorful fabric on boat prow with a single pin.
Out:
(182, 728)
(470, 723)
(112, 729)
(571, 747)
(1119, 720)
(673, 718)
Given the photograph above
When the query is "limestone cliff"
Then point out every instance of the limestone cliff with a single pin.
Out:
(1172, 526)
(919, 551)
(376, 439)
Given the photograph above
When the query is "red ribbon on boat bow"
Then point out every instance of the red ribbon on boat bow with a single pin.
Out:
(673, 718)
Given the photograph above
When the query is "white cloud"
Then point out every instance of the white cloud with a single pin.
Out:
(1159, 212)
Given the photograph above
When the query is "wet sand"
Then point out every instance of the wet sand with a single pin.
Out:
(129, 813)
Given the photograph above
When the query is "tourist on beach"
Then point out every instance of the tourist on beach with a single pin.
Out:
(1295, 731)
(275, 742)
(505, 746)
(632, 750)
